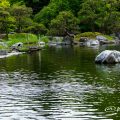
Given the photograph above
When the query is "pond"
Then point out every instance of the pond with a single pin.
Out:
(60, 83)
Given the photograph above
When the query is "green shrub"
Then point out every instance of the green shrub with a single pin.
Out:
(44, 39)
(21, 37)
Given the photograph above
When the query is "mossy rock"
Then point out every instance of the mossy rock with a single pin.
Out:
(91, 35)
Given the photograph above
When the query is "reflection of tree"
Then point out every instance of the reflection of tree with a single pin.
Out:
(69, 58)
(108, 68)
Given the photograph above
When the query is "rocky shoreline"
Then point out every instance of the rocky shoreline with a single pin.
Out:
(83, 41)
(19, 48)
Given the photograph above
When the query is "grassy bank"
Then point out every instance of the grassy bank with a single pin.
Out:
(25, 38)
(29, 40)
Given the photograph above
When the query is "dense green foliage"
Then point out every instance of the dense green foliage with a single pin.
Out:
(36, 29)
(22, 16)
(99, 15)
(36, 5)
(65, 20)
(53, 17)
(54, 7)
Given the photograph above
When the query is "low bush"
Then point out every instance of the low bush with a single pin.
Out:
(44, 39)
(21, 37)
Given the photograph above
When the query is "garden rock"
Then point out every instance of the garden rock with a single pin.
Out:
(101, 38)
(108, 56)
(17, 45)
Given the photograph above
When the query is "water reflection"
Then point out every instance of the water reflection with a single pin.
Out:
(108, 68)
(62, 84)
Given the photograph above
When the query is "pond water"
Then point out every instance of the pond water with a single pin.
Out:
(60, 83)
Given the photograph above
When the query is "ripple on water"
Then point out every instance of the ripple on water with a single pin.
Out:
(65, 95)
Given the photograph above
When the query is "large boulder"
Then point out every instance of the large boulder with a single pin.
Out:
(108, 56)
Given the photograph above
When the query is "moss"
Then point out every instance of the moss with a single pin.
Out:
(91, 35)
(87, 34)
(108, 37)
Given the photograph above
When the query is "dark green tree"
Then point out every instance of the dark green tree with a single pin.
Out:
(51, 11)
(6, 20)
(36, 5)
(65, 20)
(22, 15)
(36, 29)
(99, 15)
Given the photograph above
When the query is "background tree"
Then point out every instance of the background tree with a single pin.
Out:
(99, 15)
(51, 11)
(4, 3)
(36, 29)
(22, 15)
(88, 14)
(65, 20)
(74, 6)
(94, 15)
(6, 20)
(36, 5)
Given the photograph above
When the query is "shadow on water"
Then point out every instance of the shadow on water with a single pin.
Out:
(60, 83)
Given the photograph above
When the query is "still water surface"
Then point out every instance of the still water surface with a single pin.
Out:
(60, 83)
